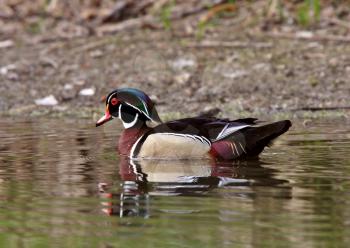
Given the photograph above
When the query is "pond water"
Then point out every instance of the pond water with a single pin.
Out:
(62, 184)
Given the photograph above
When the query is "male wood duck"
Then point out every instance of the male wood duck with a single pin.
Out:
(188, 138)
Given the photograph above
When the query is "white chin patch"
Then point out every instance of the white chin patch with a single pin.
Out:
(130, 124)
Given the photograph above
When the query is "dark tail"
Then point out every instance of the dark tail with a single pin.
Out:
(254, 139)
(257, 138)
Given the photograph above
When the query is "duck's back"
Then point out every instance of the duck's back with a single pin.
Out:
(202, 137)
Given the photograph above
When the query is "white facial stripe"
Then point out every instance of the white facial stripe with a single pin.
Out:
(144, 105)
(130, 124)
(109, 98)
(146, 114)
(133, 107)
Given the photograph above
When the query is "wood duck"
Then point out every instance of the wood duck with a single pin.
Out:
(188, 138)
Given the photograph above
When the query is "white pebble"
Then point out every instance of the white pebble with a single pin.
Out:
(47, 101)
(87, 92)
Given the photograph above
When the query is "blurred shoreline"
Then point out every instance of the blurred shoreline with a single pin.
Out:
(242, 58)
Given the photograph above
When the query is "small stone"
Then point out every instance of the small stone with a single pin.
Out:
(48, 62)
(96, 54)
(281, 67)
(188, 92)
(68, 95)
(6, 43)
(289, 73)
(68, 92)
(314, 45)
(287, 28)
(182, 63)
(79, 82)
(339, 81)
(33, 92)
(154, 98)
(235, 74)
(269, 56)
(232, 58)
(6, 69)
(182, 78)
(68, 87)
(261, 67)
(61, 108)
(333, 61)
(47, 101)
(304, 34)
(12, 76)
(87, 92)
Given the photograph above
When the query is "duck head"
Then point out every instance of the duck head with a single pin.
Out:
(131, 106)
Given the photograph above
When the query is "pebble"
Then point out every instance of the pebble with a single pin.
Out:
(289, 73)
(47, 101)
(154, 98)
(333, 61)
(304, 34)
(87, 92)
(7, 68)
(68, 95)
(182, 78)
(13, 76)
(235, 74)
(79, 82)
(48, 62)
(68, 87)
(96, 54)
(261, 66)
(6, 43)
(181, 63)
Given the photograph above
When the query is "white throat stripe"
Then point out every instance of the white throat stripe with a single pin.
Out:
(130, 124)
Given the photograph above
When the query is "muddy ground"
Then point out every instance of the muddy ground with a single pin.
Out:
(236, 67)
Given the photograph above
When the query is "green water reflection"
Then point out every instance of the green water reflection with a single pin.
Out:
(63, 185)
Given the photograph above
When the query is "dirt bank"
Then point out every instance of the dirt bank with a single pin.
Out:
(240, 71)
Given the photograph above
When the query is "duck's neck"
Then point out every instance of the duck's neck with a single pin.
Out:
(129, 136)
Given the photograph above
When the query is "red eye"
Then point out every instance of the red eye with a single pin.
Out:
(114, 101)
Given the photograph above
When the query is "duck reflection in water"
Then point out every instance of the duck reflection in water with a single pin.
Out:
(143, 179)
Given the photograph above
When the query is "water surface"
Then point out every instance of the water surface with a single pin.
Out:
(63, 185)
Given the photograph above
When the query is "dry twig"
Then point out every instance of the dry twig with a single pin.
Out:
(312, 37)
(127, 25)
(217, 9)
(229, 44)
